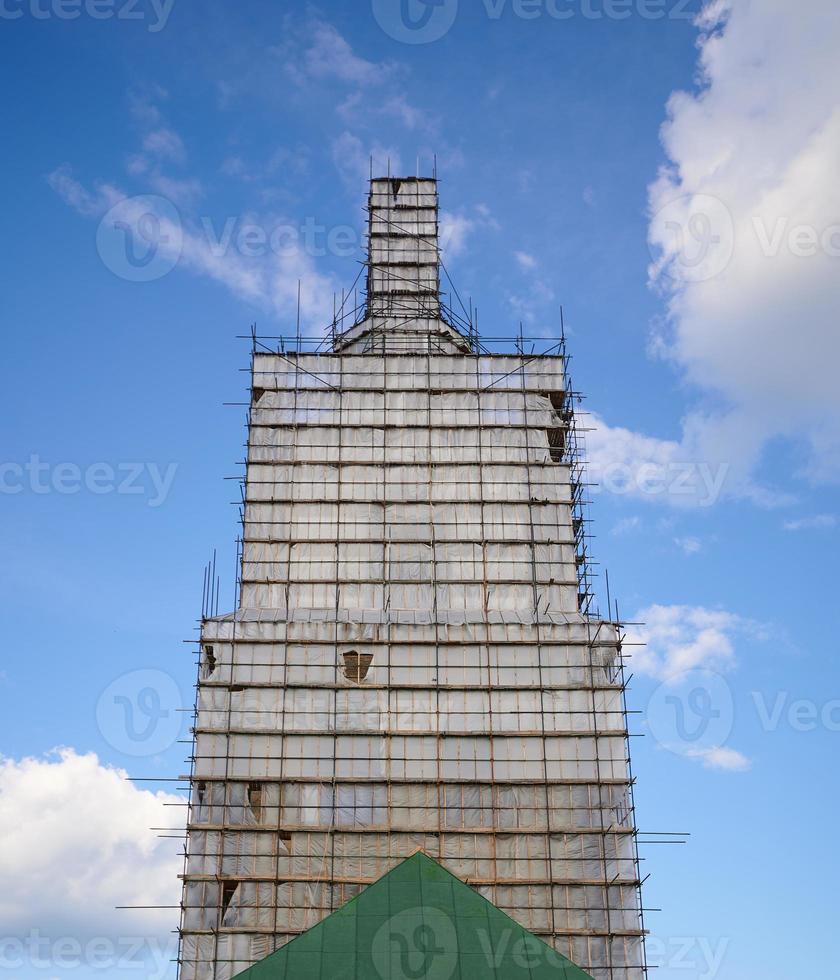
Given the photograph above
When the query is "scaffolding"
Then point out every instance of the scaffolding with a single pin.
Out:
(415, 661)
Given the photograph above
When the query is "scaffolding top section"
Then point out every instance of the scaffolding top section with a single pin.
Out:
(403, 310)
(408, 372)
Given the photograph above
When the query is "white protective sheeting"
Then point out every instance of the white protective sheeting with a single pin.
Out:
(409, 666)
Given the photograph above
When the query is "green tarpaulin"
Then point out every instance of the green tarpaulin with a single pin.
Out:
(418, 922)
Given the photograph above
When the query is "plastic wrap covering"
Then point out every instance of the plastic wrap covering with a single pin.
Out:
(300, 372)
(409, 667)
(406, 483)
(405, 408)
(235, 952)
(369, 445)
(407, 806)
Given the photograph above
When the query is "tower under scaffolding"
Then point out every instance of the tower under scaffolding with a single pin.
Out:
(415, 661)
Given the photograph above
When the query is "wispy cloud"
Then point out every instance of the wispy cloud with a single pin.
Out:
(676, 639)
(703, 467)
(267, 279)
(353, 159)
(626, 526)
(161, 146)
(815, 523)
(456, 227)
(689, 545)
(534, 307)
(722, 758)
(525, 260)
(318, 52)
(688, 650)
(73, 194)
(165, 144)
(409, 115)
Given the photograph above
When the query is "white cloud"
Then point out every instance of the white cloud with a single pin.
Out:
(525, 260)
(181, 191)
(327, 55)
(317, 52)
(455, 229)
(165, 144)
(626, 526)
(628, 463)
(77, 842)
(753, 159)
(729, 760)
(687, 649)
(697, 470)
(267, 279)
(689, 546)
(818, 522)
(678, 638)
(144, 106)
(534, 307)
(72, 193)
(610, 449)
(410, 116)
(353, 160)
(161, 145)
(525, 180)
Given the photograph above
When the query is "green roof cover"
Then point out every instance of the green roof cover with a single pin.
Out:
(418, 922)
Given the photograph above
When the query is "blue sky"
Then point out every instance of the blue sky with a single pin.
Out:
(566, 161)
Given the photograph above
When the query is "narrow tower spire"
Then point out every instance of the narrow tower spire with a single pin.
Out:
(403, 310)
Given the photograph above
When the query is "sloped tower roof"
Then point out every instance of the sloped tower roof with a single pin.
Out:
(418, 922)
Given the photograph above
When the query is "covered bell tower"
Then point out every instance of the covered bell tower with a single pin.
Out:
(415, 662)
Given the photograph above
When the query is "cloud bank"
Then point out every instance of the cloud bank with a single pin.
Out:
(77, 843)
